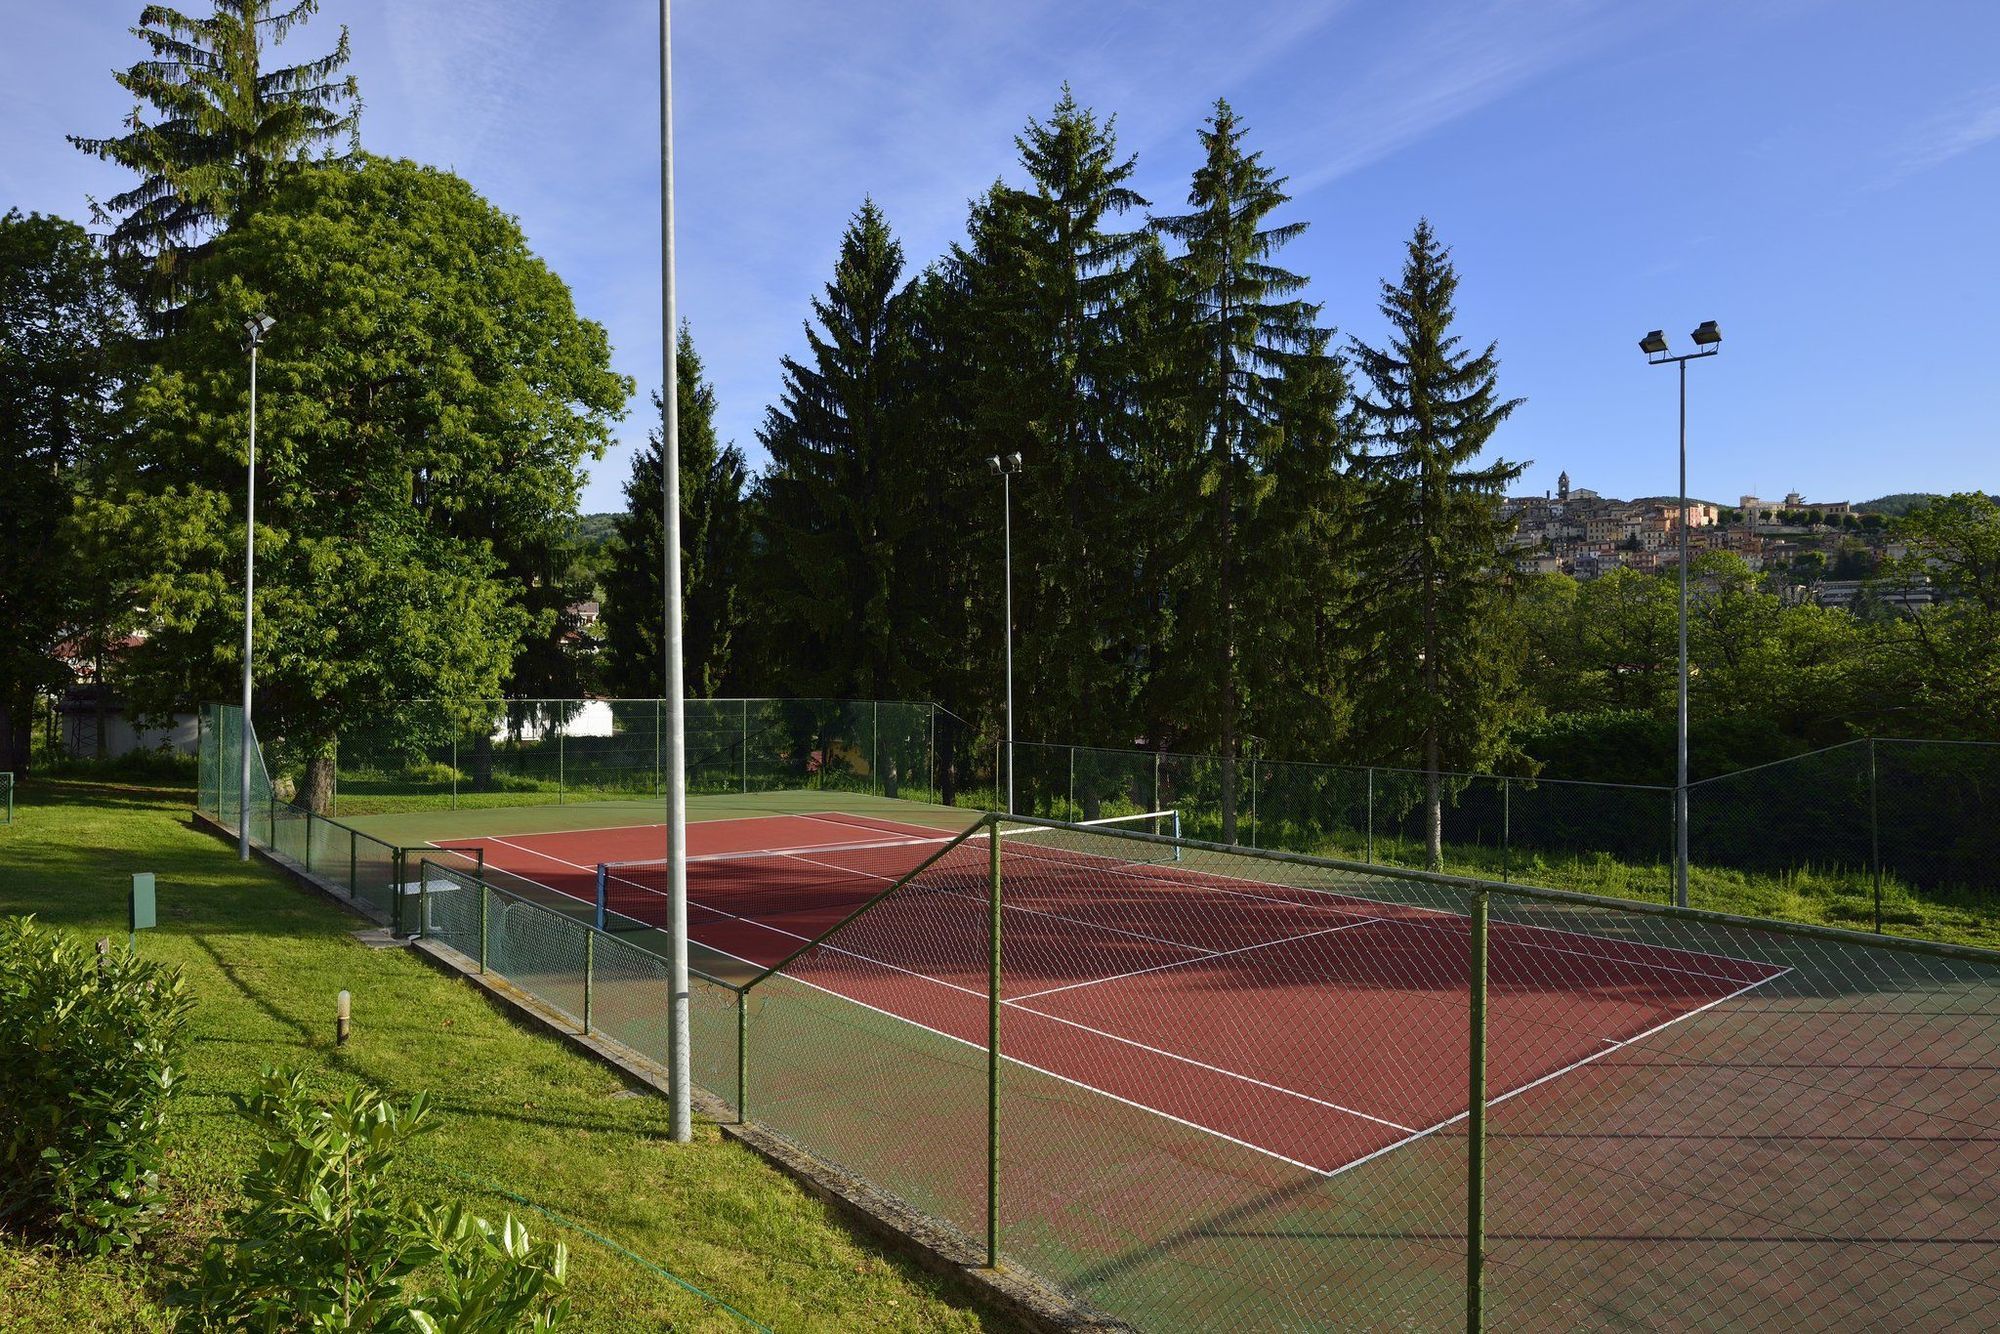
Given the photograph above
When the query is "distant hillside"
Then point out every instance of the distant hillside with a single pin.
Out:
(596, 530)
(1900, 503)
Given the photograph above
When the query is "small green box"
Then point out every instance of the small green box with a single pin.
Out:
(144, 914)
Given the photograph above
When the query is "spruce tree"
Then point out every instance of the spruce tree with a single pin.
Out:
(1251, 329)
(1046, 270)
(713, 550)
(221, 128)
(839, 503)
(1441, 675)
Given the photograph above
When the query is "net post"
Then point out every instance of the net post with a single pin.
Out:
(1874, 835)
(603, 877)
(482, 927)
(742, 1057)
(1475, 1129)
(589, 975)
(993, 1047)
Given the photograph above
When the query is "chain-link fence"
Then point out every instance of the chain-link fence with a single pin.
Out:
(1883, 819)
(559, 750)
(1202, 1087)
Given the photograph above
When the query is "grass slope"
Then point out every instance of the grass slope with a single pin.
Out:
(519, 1110)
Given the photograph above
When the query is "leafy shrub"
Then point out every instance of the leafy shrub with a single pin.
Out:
(324, 1241)
(87, 1052)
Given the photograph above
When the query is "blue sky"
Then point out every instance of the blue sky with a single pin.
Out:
(1820, 176)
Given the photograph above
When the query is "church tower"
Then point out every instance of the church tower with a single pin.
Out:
(1562, 488)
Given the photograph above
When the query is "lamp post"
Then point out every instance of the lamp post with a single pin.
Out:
(254, 330)
(1707, 342)
(1005, 470)
(679, 1051)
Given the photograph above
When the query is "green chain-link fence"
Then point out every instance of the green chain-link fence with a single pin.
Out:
(1255, 1090)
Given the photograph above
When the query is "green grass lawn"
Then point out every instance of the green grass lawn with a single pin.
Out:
(519, 1110)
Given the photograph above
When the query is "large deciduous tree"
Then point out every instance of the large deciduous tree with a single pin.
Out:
(714, 536)
(429, 388)
(213, 128)
(63, 328)
(1442, 672)
(1950, 651)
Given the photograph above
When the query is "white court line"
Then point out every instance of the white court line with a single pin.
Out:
(1411, 1135)
(1617, 1044)
(1086, 1028)
(613, 828)
(1182, 963)
(1218, 883)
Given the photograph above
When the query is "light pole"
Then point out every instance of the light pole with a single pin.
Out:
(254, 330)
(679, 1051)
(1707, 342)
(1005, 470)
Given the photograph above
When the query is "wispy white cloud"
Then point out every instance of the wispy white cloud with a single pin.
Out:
(1969, 125)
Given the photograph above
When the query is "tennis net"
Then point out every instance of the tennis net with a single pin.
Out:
(828, 880)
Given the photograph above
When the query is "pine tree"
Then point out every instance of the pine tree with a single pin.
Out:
(1250, 335)
(1442, 669)
(1046, 273)
(223, 127)
(713, 551)
(839, 503)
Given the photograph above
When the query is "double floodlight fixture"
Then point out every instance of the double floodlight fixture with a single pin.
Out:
(255, 328)
(1012, 463)
(1707, 342)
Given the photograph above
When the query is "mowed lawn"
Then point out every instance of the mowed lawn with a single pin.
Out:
(518, 1110)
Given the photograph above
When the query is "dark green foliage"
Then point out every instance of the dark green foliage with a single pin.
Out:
(714, 551)
(1897, 505)
(64, 328)
(839, 506)
(324, 1240)
(89, 1052)
(222, 128)
(427, 397)
(1440, 682)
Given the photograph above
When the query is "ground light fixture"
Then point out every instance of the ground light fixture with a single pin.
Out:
(254, 330)
(1708, 341)
(1005, 469)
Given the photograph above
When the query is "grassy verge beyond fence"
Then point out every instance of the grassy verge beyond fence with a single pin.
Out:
(1578, 1111)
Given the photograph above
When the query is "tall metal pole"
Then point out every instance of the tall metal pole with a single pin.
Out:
(1007, 521)
(670, 504)
(249, 587)
(1681, 724)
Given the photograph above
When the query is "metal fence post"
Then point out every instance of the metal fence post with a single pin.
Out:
(1370, 836)
(396, 877)
(482, 927)
(308, 858)
(1156, 780)
(875, 752)
(1506, 827)
(1874, 835)
(589, 971)
(742, 1057)
(1072, 783)
(1475, 1129)
(993, 1049)
(353, 867)
(454, 768)
(273, 844)
(561, 762)
(1253, 793)
(743, 754)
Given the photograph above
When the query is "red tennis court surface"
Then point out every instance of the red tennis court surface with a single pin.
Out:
(1321, 1028)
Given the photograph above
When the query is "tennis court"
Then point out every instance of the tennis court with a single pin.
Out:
(1320, 1028)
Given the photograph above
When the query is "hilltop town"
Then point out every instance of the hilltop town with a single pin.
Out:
(1825, 550)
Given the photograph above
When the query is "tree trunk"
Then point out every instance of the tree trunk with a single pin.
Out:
(482, 761)
(1433, 807)
(316, 784)
(889, 778)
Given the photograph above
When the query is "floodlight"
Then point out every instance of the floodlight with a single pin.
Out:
(1655, 343)
(1707, 335)
(1014, 462)
(994, 464)
(255, 329)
